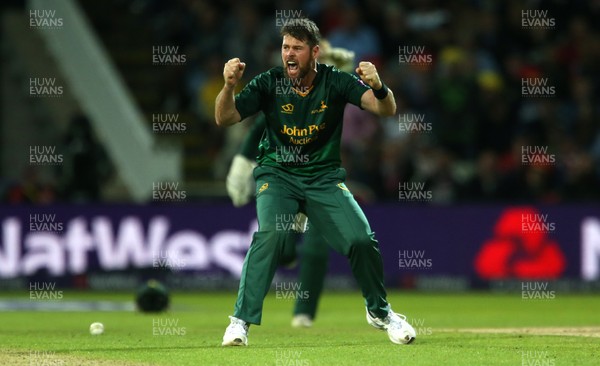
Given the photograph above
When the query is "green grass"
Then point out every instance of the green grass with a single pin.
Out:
(340, 336)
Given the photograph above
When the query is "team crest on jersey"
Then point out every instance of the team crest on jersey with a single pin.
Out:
(321, 108)
(287, 108)
(263, 188)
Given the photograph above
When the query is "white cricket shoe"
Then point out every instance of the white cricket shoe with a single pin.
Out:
(236, 333)
(302, 321)
(398, 329)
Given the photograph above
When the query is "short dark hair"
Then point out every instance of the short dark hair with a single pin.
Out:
(303, 29)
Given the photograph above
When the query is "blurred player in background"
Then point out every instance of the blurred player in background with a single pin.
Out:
(314, 251)
(307, 123)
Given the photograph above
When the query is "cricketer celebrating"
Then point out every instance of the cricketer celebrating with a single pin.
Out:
(299, 171)
(313, 254)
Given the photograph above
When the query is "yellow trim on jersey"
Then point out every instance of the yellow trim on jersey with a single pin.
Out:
(303, 94)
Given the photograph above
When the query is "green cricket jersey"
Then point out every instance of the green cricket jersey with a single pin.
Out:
(304, 127)
(249, 147)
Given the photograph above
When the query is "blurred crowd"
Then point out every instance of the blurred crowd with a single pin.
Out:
(467, 93)
(84, 167)
(478, 121)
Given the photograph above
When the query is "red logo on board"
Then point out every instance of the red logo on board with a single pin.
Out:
(521, 248)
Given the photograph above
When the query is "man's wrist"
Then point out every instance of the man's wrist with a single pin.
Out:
(377, 87)
(382, 92)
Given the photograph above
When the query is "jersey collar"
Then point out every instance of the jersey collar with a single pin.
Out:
(304, 94)
(315, 82)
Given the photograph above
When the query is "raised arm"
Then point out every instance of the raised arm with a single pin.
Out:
(226, 114)
(379, 100)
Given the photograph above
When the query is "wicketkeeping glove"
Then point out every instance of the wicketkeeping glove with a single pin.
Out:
(300, 222)
(240, 184)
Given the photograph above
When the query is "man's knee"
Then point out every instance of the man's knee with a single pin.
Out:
(363, 242)
(270, 238)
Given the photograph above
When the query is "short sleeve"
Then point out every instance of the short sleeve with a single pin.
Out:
(350, 86)
(249, 101)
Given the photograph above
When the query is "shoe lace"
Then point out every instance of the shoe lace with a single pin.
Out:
(395, 320)
(238, 322)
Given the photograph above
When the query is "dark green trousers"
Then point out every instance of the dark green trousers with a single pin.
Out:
(313, 259)
(332, 211)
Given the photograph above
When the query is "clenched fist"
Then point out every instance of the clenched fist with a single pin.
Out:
(368, 74)
(233, 71)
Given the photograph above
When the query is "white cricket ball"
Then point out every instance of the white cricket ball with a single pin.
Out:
(96, 328)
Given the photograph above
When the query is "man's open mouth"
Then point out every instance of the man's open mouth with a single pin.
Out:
(292, 65)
